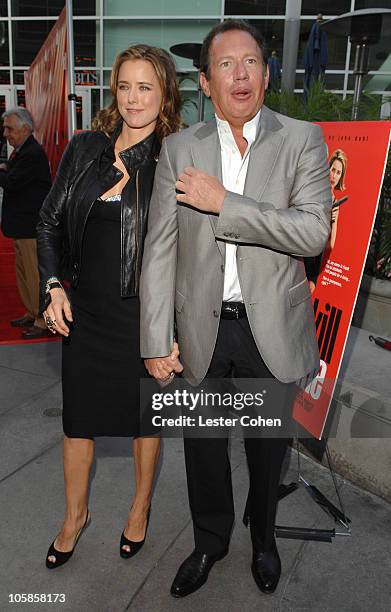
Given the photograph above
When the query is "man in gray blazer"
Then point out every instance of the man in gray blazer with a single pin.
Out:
(237, 203)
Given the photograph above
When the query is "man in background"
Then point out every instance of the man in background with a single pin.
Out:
(26, 181)
(274, 72)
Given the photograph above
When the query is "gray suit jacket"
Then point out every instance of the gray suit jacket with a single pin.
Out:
(283, 216)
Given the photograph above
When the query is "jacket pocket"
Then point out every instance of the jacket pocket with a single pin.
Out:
(299, 293)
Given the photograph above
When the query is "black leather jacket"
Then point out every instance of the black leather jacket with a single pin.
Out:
(85, 173)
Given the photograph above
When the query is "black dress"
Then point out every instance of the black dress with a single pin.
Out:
(101, 364)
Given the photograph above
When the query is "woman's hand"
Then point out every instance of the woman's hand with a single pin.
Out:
(334, 227)
(162, 368)
(55, 312)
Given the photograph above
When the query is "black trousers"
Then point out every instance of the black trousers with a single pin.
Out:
(207, 462)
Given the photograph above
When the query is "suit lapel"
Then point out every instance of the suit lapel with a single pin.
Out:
(206, 154)
(264, 153)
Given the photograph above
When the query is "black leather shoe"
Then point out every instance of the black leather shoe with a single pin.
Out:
(35, 332)
(193, 573)
(22, 322)
(266, 569)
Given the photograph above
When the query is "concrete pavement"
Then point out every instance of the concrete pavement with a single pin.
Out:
(352, 574)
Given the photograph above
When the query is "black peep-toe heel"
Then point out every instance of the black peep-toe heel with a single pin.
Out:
(135, 547)
(63, 557)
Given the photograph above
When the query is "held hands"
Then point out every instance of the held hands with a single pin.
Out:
(162, 368)
(55, 312)
(200, 190)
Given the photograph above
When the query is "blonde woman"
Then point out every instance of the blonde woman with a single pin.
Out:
(337, 163)
(96, 218)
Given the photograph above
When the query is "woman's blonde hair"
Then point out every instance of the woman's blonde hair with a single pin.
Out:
(169, 119)
(339, 155)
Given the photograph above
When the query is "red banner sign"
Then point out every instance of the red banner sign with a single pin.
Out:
(357, 153)
(47, 93)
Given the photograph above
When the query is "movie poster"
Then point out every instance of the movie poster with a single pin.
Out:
(47, 93)
(357, 154)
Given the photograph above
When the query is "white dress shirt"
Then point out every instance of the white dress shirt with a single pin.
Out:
(234, 171)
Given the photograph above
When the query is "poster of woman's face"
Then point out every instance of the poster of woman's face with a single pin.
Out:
(338, 164)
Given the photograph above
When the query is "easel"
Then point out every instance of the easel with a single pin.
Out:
(338, 514)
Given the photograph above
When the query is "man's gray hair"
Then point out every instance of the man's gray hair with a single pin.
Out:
(22, 114)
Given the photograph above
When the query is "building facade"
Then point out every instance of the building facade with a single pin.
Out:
(102, 28)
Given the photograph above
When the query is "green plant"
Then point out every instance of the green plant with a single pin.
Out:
(322, 105)
(285, 103)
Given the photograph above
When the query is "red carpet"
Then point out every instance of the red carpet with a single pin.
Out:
(10, 304)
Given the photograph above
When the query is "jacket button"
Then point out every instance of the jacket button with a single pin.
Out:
(222, 267)
(237, 236)
(227, 234)
(216, 313)
(74, 276)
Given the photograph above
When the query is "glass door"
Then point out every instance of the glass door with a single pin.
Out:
(5, 104)
(83, 108)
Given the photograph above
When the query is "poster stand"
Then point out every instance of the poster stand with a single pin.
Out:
(337, 514)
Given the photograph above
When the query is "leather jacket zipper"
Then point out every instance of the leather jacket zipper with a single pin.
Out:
(136, 233)
(78, 263)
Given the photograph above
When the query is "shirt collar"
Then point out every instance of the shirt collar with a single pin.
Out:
(16, 149)
(249, 130)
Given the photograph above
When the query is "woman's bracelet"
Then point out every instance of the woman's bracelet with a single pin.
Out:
(53, 283)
